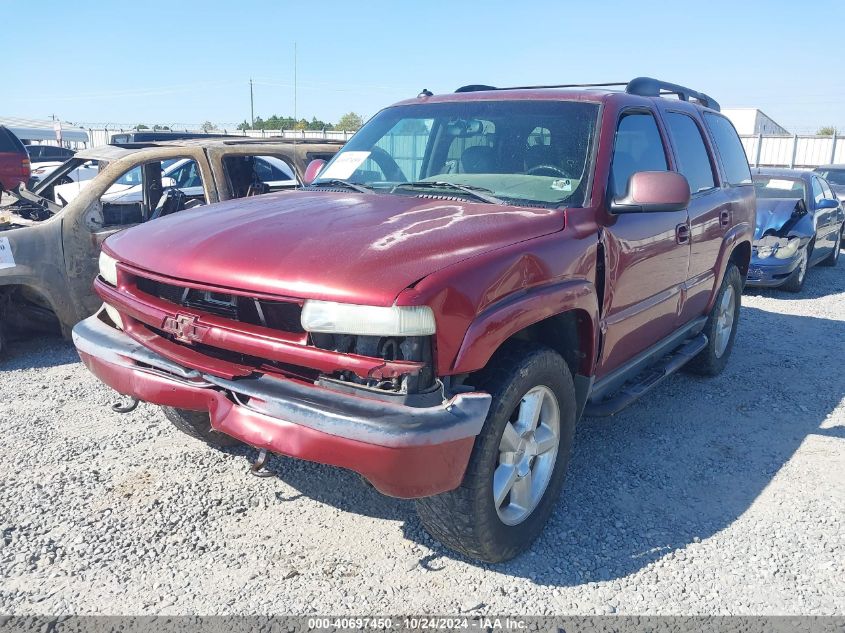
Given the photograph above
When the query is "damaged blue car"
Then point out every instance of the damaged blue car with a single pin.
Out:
(799, 224)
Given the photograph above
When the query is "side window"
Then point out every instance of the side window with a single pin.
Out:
(254, 175)
(818, 192)
(637, 147)
(730, 149)
(274, 171)
(693, 159)
(139, 195)
(185, 174)
(828, 193)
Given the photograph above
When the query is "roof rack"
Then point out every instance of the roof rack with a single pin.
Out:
(649, 87)
(642, 86)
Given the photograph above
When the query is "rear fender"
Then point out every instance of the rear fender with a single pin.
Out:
(737, 235)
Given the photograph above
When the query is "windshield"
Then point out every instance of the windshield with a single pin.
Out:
(833, 176)
(778, 187)
(517, 152)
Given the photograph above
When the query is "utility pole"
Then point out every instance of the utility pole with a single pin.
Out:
(251, 107)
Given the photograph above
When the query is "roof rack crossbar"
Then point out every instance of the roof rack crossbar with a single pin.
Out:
(650, 87)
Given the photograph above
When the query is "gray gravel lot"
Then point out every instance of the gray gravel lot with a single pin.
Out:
(712, 496)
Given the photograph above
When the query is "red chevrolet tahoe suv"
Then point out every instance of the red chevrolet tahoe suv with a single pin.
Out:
(441, 304)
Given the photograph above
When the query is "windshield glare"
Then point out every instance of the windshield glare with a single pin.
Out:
(521, 152)
(777, 187)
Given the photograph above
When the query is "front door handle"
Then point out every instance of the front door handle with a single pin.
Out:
(725, 217)
(682, 233)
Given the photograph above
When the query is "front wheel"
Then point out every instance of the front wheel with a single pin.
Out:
(795, 282)
(519, 460)
(833, 258)
(720, 327)
(197, 424)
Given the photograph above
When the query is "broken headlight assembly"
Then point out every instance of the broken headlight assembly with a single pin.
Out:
(328, 317)
(777, 247)
(108, 271)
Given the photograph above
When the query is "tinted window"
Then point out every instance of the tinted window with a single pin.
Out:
(9, 142)
(730, 149)
(693, 160)
(637, 147)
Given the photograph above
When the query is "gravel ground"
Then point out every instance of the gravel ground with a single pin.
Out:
(712, 496)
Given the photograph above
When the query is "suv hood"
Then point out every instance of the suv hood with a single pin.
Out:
(349, 247)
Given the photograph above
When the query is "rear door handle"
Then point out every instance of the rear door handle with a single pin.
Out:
(725, 217)
(682, 233)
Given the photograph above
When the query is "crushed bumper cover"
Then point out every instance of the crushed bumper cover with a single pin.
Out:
(769, 272)
(403, 451)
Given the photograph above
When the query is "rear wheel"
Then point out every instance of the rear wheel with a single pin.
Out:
(519, 460)
(197, 424)
(795, 282)
(833, 258)
(720, 327)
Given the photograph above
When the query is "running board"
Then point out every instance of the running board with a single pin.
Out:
(647, 380)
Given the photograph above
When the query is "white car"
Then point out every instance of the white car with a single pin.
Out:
(180, 174)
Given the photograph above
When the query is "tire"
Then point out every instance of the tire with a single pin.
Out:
(197, 424)
(795, 282)
(833, 258)
(467, 519)
(720, 341)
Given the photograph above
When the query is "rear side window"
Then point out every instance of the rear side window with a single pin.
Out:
(730, 149)
(693, 159)
(637, 147)
(10, 143)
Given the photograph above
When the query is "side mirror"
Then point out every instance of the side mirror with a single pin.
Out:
(651, 191)
(827, 203)
(313, 170)
(167, 182)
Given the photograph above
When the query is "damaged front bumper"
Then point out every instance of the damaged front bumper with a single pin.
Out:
(770, 272)
(403, 451)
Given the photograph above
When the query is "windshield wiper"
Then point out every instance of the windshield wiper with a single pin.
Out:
(480, 193)
(337, 182)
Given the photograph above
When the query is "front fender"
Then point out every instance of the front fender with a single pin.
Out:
(514, 313)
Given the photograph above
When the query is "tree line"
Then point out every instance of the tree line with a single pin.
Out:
(348, 122)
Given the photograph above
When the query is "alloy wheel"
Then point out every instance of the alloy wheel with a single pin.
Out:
(527, 455)
(724, 321)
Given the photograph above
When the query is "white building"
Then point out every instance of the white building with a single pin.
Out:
(753, 121)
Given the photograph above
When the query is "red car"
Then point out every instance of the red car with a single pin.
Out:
(459, 284)
(14, 161)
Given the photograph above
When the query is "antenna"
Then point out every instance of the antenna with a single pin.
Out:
(295, 119)
(251, 107)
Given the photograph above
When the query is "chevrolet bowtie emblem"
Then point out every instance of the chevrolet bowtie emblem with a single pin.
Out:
(184, 328)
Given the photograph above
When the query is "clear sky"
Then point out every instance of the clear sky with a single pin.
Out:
(188, 61)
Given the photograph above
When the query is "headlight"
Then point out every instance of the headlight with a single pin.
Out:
(108, 268)
(764, 252)
(114, 315)
(789, 249)
(345, 318)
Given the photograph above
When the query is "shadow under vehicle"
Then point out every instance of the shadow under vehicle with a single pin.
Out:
(50, 236)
